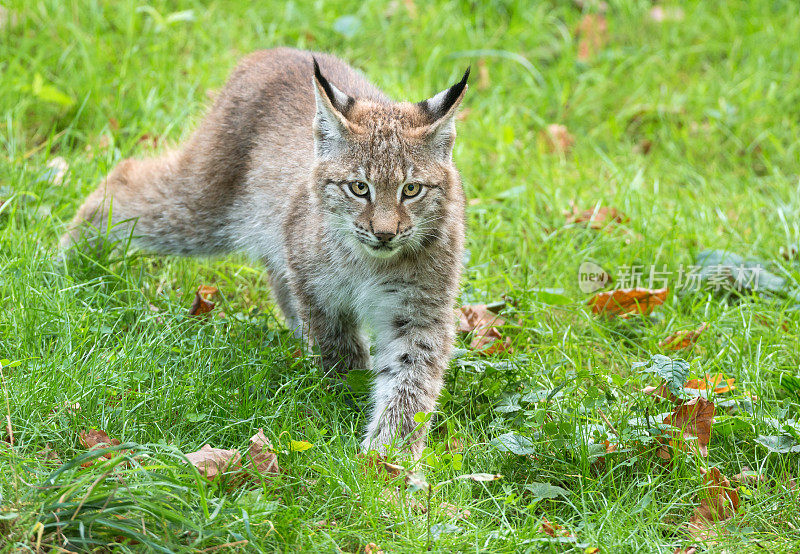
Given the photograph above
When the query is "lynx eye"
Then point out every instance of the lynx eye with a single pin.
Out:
(411, 190)
(358, 188)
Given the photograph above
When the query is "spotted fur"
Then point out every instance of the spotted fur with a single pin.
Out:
(272, 171)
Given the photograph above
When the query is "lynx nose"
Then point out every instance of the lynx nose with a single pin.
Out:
(384, 236)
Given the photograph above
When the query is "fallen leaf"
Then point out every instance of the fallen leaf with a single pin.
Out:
(372, 548)
(261, 455)
(554, 529)
(592, 34)
(719, 501)
(597, 218)
(95, 439)
(627, 302)
(689, 550)
(483, 324)
(202, 303)
(113, 122)
(211, 462)
(701, 384)
(694, 419)
(557, 139)
(683, 339)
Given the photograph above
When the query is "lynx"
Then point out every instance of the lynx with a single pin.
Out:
(352, 202)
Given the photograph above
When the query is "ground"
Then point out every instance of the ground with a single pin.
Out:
(682, 117)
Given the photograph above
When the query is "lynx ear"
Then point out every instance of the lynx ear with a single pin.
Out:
(441, 110)
(330, 121)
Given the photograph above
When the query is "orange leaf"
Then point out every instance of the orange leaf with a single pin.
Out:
(702, 384)
(202, 303)
(627, 302)
(683, 339)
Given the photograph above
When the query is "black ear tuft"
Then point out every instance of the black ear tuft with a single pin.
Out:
(438, 106)
(323, 82)
(339, 100)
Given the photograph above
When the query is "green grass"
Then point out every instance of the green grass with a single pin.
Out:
(716, 93)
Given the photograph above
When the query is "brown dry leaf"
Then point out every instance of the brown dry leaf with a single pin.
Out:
(689, 550)
(211, 462)
(261, 455)
(597, 218)
(694, 419)
(719, 502)
(554, 529)
(483, 324)
(372, 548)
(202, 300)
(592, 33)
(94, 439)
(484, 82)
(557, 139)
(683, 339)
(702, 384)
(627, 302)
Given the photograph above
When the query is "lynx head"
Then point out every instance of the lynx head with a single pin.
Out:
(384, 174)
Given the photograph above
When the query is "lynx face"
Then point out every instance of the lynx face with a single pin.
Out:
(384, 173)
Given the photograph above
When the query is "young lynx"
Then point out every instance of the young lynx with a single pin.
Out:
(352, 201)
